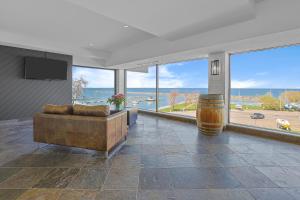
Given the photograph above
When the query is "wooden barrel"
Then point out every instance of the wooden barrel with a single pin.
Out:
(210, 114)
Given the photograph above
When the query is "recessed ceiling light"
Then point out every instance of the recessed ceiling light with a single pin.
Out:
(91, 44)
(125, 26)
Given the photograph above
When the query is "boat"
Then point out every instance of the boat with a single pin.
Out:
(134, 102)
(150, 99)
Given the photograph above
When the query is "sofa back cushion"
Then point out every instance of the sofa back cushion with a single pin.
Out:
(98, 111)
(58, 109)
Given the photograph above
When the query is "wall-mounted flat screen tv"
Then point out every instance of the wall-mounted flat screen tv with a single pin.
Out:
(45, 69)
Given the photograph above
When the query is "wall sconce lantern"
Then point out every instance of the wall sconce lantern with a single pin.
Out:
(215, 68)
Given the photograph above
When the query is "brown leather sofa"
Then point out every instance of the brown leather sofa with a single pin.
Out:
(90, 132)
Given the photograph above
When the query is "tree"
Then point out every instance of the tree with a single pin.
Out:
(269, 102)
(172, 99)
(194, 98)
(190, 99)
(290, 97)
(77, 87)
(187, 99)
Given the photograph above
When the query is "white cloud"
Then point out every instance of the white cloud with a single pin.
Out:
(147, 80)
(164, 72)
(246, 83)
(96, 78)
(140, 80)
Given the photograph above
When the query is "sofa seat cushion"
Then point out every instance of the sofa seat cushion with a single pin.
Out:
(58, 109)
(98, 111)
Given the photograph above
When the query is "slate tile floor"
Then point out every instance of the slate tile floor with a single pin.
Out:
(162, 159)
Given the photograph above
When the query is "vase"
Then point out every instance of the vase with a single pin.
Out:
(118, 107)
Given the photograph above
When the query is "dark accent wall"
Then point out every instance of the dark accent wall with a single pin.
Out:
(21, 98)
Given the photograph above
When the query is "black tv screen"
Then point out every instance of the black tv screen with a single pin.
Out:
(43, 69)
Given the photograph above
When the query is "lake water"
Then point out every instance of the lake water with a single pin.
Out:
(141, 97)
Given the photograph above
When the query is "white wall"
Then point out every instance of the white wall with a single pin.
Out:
(120, 81)
(220, 84)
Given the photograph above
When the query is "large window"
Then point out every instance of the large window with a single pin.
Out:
(141, 88)
(92, 86)
(180, 85)
(265, 89)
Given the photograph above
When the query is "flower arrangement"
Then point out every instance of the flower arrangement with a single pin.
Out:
(117, 99)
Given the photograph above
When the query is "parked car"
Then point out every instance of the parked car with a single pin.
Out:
(288, 106)
(239, 107)
(257, 116)
(292, 107)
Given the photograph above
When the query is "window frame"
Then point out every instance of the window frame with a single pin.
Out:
(157, 87)
(115, 74)
(229, 87)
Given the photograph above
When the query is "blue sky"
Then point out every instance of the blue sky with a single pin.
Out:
(97, 78)
(190, 74)
(272, 68)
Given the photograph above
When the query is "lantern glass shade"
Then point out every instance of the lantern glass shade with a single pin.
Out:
(215, 67)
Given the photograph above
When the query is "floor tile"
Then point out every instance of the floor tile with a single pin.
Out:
(175, 149)
(180, 160)
(294, 192)
(192, 194)
(156, 195)
(27, 160)
(148, 149)
(162, 159)
(97, 162)
(155, 178)
(77, 195)
(289, 159)
(88, 178)
(231, 160)
(126, 161)
(242, 148)
(190, 177)
(230, 194)
(259, 159)
(205, 160)
(72, 160)
(196, 149)
(154, 161)
(282, 177)
(10, 194)
(222, 178)
(25, 178)
(5, 173)
(57, 178)
(131, 149)
(118, 178)
(219, 148)
(270, 194)
(40, 194)
(116, 195)
(250, 177)
(202, 178)
(213, 194)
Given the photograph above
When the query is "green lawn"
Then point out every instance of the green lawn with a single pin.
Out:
(191, 107)
(180, 107)
(247, 107)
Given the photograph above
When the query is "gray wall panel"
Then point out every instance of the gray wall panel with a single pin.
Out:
(20, 98)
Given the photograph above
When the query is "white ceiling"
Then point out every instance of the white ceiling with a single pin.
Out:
(171, 19)
(159, 30)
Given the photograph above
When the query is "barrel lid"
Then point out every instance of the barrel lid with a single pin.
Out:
(211, 96)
